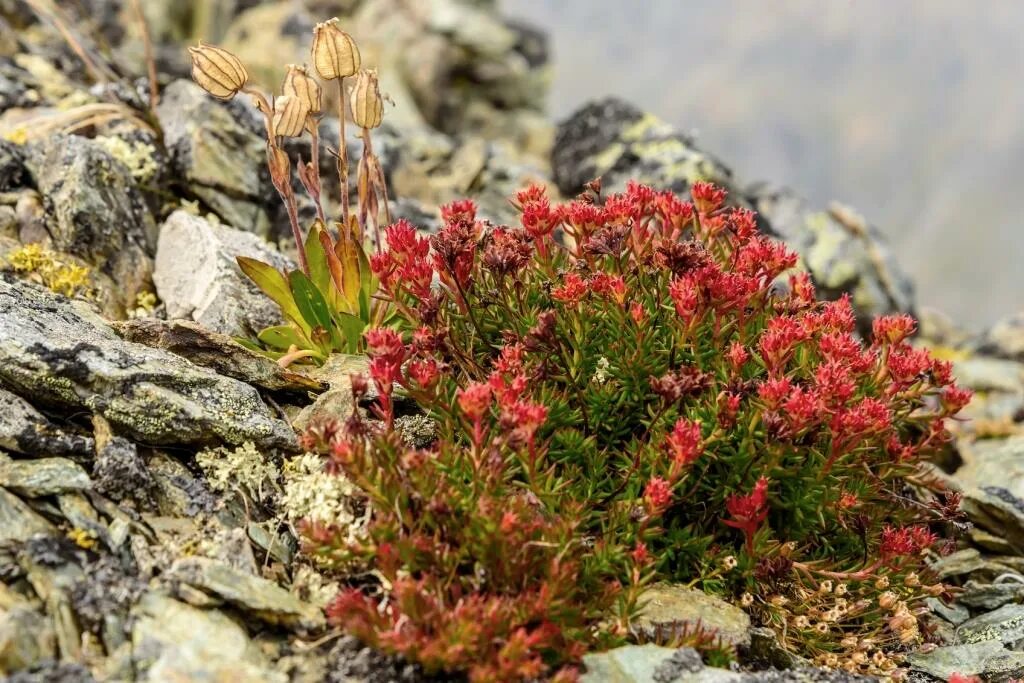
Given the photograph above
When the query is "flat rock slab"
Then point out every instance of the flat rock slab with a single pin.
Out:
(1004, 625)
(258, 596)
(19, 522)
(24, 429)
(667, 604)
(43, 477)
(987, 658)
(62, 355)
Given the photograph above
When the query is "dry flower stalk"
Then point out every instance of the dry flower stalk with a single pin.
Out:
(336, 57)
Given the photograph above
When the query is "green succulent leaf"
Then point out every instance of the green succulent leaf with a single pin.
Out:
(352, 327)
(272, 282)
(282, 337)
(313, 308)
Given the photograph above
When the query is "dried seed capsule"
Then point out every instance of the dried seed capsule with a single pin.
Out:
(289, 116)
(217, 71)
(367, 105)
(300, 85)
(335, 54)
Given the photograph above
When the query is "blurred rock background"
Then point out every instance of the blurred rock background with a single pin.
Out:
(910, 111)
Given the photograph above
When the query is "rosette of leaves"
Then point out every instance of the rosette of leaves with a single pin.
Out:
(326, 311)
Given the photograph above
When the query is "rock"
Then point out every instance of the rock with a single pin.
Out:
(216, 351)
(43, 477)
(1005, 625)
(957, 564)
(12, 167)
(987, 658)
(24, 429)
(996, 509)
(118, 471)
(218, 151)
(667, 605)
(260, 597)
(844, 254)
(993, 462)
(647, 663)
(26, 637)
(1005, 339)
(208, 286)
(954, 613)
(95, 211)
(177, 492)
(990, 596)
(336, 403)
(983, 373)
(64, 356)
(19, 522)
(174, 641)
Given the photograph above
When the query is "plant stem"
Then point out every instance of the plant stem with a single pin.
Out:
(371, 168)
(343, 159)
(147, 44)
(314, 154)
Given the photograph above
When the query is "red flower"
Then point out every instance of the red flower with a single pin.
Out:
(737, 356)
(774, 391)
(802, 408)
(572, 290)
(834, 383)
(707, 196)
(424, 372)
(748, 511)
(475, 400)
(384, 342)
(657, 494)
(781, 335)
(510, 361)
(802, 288)
(462, 210)
(954, 398)
(685, 296)
(905, 541)
(639, 554)
(963, 678)
(892, 329)
(637, 312)
(684, 442)
(907, 364)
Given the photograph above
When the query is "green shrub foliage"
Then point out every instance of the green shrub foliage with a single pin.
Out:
(633, 388)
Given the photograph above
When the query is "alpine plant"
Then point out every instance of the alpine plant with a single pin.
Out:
(627, 389)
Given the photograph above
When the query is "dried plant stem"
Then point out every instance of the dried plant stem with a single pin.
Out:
(343, 158)
(314, 155)
(45, 9)
(281, 177)
(147, 44)
(370, 166)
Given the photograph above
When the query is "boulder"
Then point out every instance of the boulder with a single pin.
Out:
(198, 278)
(63, 355)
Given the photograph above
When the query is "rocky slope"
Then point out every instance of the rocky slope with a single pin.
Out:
(151, 483)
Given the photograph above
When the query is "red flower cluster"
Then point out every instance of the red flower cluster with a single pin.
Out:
(748, 511)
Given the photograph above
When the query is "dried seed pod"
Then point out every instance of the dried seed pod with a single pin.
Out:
(217, 71)
(367, 105)
(289, 116)
(299, 84)
(335, 53)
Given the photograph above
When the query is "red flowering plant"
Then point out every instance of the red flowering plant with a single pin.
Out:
(628, 389)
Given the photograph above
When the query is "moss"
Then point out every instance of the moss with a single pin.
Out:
(53, 272)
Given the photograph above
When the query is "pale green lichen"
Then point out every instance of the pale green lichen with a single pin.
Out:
(243, 468)
(312, 494)
(310, 586)
(136, 156)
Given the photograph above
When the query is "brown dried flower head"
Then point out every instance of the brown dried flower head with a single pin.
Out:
(217, 71)
(300, 85)
(367, 104)
(290, 115)
(335, 53)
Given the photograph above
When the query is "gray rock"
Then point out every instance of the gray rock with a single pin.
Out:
(260, 597)
(1005, 339)
(652, 663)
(24, 429)
(957, 564)
(12, 167)
(175, 641)
(955, 613)
(216, 351)
(667, 605)
(26, 638)
(218, 154)
(336, 403)
(990, 596)
(120, 473)
(198, 278)
(986, 658)
(19, 522)
(177, 492)
(1005, 625)
(844, 254)
(983, 373)
(43, 477)
(996, 509)
(95, 210)
(993, 462)
(64, 356)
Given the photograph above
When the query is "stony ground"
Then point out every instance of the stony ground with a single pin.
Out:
(151, 482)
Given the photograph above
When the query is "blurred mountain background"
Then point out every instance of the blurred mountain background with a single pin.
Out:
(911, 111)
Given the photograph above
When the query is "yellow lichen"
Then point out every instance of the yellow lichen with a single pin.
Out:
(83, 538)
(137, 156)
(53, 272)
